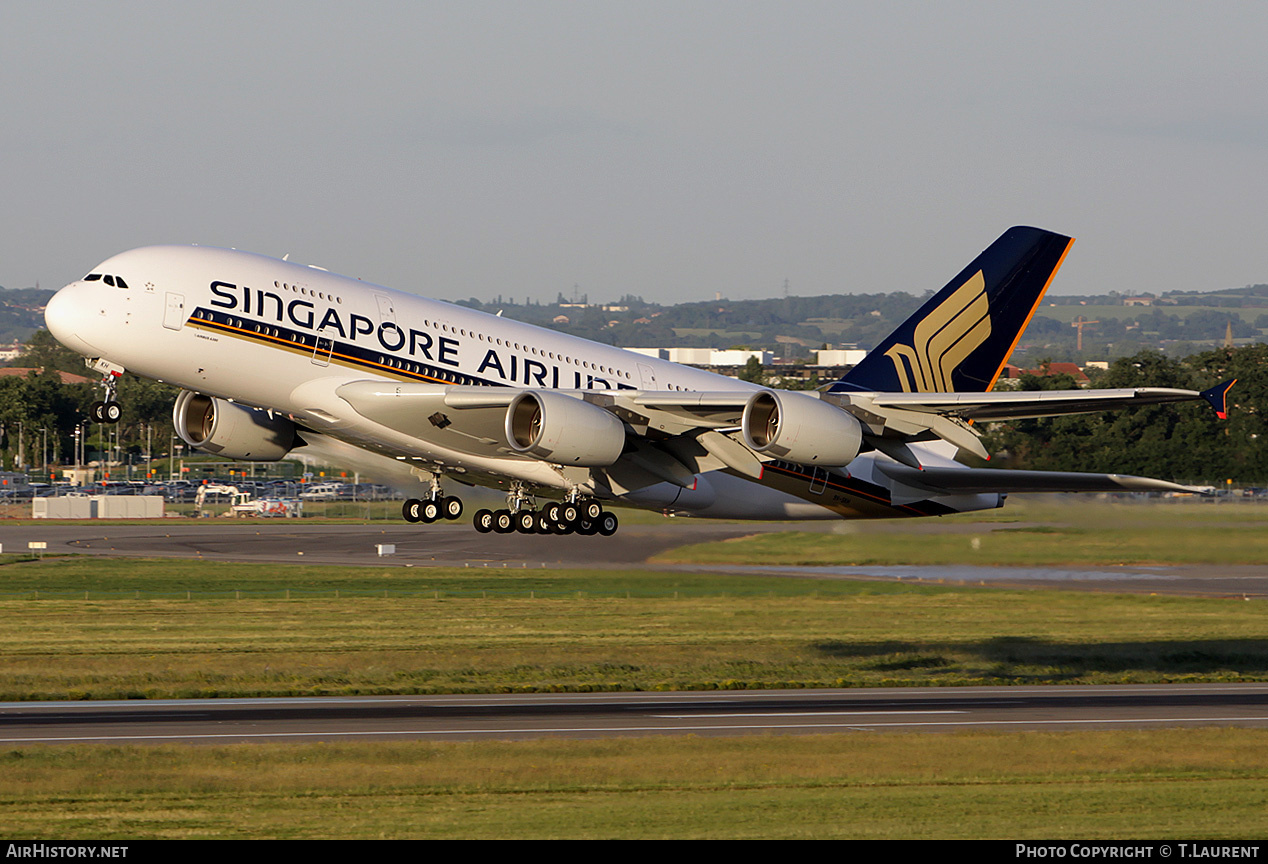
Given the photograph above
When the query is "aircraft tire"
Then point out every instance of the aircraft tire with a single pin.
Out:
(97, 411)
(587, 528)
(409, 510)
(451, 507)
(552, 511)
(591, 509)
(483, 521)
(111, 412)
(503, 521)
(569, 514)
(526, 521)
(430, 511)
(608, 524)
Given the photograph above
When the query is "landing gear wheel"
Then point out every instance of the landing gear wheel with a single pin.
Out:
(526, 521)
(483, 521)
(111, 412)
(586, 528)
(591, 510)
(97, 411)
(409, 510)
(451, 507)
(569, 514)
(503, 522)
(429, 512)
(552, 511)
(544, 524)
(608, 524)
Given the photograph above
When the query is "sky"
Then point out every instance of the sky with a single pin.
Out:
(671, 150)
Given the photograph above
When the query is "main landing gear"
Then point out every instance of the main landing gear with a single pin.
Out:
(585, 516)
(573, 515)
(430, 509)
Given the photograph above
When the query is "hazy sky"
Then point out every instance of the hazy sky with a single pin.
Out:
(667, 149)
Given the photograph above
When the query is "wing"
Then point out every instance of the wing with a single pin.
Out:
(625, 440)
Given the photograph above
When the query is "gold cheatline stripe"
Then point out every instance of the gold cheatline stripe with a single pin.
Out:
(306, 351)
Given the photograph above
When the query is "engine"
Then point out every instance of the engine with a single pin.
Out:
(800, 429)
(231, 430)
(562, 429)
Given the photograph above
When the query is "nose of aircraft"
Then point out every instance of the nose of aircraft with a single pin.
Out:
(68, 317)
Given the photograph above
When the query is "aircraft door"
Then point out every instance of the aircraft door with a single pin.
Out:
(647, 376)
(174, 312)
(322, 348)
(818, 481)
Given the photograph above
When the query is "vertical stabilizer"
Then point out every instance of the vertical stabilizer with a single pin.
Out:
(961, 338)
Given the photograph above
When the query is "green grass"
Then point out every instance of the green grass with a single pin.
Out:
(1095, 785)
(400, 630)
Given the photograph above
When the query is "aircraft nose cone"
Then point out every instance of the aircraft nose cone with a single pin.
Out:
(67, 317)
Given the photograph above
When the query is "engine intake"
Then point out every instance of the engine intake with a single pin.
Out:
(231, 430)
(800, 429)
(558, 428)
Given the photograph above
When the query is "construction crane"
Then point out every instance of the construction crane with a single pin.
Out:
(1078, 324)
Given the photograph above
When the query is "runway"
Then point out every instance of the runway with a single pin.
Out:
(458, 545)
(580, 716)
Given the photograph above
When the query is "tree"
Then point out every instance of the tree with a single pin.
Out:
(753, 371)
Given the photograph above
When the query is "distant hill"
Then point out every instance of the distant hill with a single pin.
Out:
(21, 312)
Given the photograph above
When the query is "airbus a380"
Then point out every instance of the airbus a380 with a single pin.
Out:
(276, 358)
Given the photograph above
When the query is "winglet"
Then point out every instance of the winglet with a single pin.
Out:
(1218, 397)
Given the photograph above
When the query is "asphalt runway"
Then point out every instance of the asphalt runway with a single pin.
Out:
(459, 545)
(580, 716)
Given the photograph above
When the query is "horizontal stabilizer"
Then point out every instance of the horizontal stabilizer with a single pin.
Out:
(968, 481)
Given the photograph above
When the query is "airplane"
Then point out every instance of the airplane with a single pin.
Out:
(278, 359)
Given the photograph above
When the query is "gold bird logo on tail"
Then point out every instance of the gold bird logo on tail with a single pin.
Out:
(942, 341)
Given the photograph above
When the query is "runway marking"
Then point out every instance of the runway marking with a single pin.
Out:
(611, 729)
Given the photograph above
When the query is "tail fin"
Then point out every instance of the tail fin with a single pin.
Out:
(961, 338)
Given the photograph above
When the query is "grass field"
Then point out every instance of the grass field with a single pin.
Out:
(80, 627)
(1190, 784)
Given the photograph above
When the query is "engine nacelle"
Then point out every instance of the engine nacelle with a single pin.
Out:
(231, 430)
(800, 429)
(562, 429)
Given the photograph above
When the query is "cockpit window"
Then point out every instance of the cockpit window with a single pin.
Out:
(119, 283)
(92, 277)
(110, 281)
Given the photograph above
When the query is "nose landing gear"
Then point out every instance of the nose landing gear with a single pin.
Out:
(106, 410)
